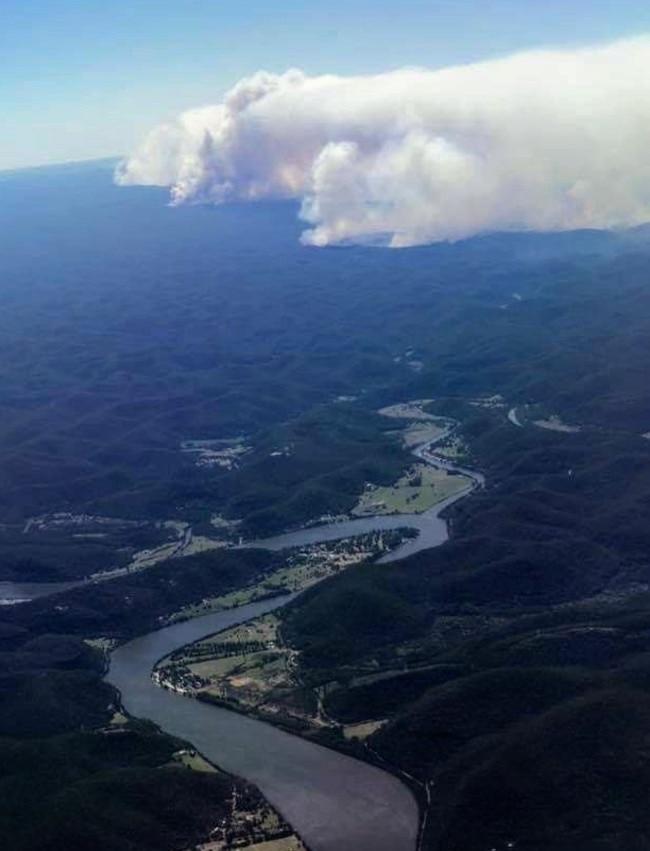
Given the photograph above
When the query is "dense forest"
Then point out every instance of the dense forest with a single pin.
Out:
(71, 779)
(511, 665)
(133, 330)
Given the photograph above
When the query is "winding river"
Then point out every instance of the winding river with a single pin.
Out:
(336, 803)
(432, 529)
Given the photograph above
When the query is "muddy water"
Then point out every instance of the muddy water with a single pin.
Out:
(335, 803)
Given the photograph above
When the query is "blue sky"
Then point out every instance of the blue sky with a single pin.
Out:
(87, 78)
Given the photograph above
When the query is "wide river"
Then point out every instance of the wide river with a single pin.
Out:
(336, 803)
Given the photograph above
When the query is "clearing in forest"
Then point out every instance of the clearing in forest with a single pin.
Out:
(554, 423)
(419, 489)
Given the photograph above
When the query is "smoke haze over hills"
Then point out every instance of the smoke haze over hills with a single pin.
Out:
(544, 140)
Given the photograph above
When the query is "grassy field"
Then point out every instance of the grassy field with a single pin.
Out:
(249, 675)
(421, 432)
(192, 759)
(249, 667)
(252, 827)
(413, 410)
(217, 668)
(248, 680)
(293, 578)
(290, 843)
(304, 567)
(217, 604)
(452, 448)
(363, 730)
(201, 544)
(420, 489)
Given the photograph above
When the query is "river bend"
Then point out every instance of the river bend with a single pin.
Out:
(336, 803)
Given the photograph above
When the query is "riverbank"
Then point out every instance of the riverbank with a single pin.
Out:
(302, 779)
(334, 802)
(298, 776)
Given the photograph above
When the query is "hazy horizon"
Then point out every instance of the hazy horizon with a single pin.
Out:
(87, 81)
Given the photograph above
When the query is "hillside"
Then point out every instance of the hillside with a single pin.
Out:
(197, 369)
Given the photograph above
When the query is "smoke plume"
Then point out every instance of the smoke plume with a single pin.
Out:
(543, 140)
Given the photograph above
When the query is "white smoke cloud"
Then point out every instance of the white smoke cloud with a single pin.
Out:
(543, 140)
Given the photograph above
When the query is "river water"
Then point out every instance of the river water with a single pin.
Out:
(334, 802)
(432, 529)
(12, 593)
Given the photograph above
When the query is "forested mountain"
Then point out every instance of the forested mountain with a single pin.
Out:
(514, 659)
